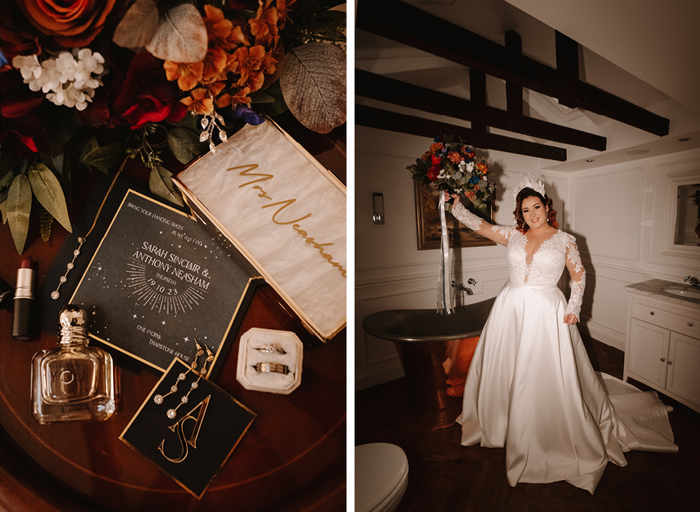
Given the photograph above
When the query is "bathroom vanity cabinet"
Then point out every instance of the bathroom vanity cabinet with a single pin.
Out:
(662, 347)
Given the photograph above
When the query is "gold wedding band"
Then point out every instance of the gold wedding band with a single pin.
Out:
(272, 368)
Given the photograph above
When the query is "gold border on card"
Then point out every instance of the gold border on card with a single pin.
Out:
(199, 210)
(148, 399)
(121, 349)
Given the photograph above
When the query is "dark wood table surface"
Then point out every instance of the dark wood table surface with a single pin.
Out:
(292, 458)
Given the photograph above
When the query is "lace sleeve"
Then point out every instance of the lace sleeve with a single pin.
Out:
(578, 278)
(498, 234)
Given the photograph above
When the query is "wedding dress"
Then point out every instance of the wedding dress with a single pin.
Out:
(531, 386)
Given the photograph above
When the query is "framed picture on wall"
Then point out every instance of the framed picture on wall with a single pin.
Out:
(428, 222)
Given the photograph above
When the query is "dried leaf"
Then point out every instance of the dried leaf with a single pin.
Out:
(138, 25)
(3, 211)
(161, 184)
(181, 35)
(313, 85)
(46, 222)
(49, 193)
(19, 205)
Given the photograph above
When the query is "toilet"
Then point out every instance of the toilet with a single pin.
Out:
(381, 477)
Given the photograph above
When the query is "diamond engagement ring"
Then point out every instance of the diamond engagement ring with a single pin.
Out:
(271, 349)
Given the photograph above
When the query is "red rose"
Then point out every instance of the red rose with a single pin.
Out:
(433, 173)
(146, 95)
(72, 23)
(436, 160)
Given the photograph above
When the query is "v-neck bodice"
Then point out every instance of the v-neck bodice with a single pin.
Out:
(547, 263)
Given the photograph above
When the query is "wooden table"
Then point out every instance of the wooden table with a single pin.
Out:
(292, 458)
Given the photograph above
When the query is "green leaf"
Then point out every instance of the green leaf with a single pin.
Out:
(19, 205)
(161, 184)
(106, 157)
(185, 144)
(3, 211)
(49, 193)
(46, 221)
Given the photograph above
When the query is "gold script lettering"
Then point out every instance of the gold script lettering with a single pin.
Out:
(179, 429)
(247, 171)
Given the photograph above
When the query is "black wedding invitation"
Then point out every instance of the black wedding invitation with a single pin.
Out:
(193, 442)
(156, 281)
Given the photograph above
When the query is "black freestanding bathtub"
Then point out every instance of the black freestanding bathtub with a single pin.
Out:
(421, 336)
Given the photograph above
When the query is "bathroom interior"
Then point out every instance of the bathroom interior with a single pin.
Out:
(632, 206)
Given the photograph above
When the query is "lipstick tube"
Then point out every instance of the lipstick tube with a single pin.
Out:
(24, 301)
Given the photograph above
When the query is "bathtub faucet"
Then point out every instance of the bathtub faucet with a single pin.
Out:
(692, 281)
(460, 286)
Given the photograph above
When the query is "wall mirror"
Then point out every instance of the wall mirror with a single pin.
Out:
(687, 229)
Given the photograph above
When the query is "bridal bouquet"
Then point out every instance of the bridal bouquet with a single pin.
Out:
(450, 164)
(86, 85)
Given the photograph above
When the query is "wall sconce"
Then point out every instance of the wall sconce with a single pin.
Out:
(378, 208)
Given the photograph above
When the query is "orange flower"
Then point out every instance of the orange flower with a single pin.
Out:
(187, 75)
(215, 88)
(73, 24)
(264, 26)
(218, 27)
(241, 97)
(237, 37)
(435, 147)
(454, 157)
(198, 102)
(249, 61)
(482, 168)
(283, 12)
(214, 63)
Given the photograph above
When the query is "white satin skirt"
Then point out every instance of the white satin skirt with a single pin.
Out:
(532, 389)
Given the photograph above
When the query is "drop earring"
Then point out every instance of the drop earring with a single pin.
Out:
(158, 399)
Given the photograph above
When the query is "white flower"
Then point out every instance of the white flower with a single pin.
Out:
(70, 79)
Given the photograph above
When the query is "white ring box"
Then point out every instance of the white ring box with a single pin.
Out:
(249, 356)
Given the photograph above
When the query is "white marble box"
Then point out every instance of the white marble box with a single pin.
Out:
(273, 203)
(270, 360)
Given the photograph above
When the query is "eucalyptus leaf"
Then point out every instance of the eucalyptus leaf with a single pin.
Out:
(258, 97)
(19, 206)
(49, 193)
(313, 85)
(106, 157)
(3, 211)
(161, 184)
(185, 144)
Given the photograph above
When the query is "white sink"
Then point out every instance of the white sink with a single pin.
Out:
(684, 292)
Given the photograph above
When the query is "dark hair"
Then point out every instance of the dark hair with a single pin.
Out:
(520, 223)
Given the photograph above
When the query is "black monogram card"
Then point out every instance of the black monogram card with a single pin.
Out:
(158, 281)
(189, 438)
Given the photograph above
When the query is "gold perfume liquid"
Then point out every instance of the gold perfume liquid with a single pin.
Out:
(74, 382)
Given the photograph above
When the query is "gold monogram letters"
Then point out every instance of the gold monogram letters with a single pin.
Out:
(179, 429)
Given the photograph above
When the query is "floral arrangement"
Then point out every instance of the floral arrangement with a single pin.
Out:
(87, 86)
(450, 164)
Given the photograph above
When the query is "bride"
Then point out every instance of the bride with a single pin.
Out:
(531, 386)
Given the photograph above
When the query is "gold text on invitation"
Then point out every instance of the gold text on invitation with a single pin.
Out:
(279, 212)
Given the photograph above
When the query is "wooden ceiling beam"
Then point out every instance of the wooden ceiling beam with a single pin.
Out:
(384, 120)
(390, 90)
(411, 26)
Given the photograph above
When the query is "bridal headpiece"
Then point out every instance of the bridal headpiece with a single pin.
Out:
(530, 181)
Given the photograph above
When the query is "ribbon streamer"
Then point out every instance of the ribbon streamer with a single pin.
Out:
(444, 298)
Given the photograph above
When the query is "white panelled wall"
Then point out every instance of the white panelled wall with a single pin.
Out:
(616, 213)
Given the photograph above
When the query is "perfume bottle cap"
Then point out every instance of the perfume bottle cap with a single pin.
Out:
(73, 322)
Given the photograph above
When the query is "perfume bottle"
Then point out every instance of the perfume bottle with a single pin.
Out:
(74, 382)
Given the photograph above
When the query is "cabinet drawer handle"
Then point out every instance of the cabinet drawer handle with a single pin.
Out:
(690, 324)
(652, 313)
(663, 359)
(670, 362)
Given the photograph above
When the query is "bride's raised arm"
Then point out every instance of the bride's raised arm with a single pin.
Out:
(495, 233)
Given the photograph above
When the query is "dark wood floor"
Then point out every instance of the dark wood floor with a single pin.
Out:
(443, 475)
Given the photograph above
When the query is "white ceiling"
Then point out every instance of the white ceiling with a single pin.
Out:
(645, 51)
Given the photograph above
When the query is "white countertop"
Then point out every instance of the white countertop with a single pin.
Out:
(655, 288)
